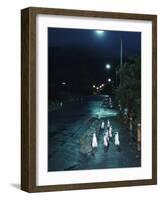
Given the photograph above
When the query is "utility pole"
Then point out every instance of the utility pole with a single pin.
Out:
(121, 60)
(121, 54)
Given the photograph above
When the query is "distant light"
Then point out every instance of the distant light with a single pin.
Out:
(100, 32)
(103, 85)
(63, 83)
(97, 88)
(108, 66)
(94, 86)
(109, 79)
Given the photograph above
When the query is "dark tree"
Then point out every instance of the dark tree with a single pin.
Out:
(129, 90)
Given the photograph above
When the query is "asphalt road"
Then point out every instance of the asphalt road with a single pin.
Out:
(67, 126)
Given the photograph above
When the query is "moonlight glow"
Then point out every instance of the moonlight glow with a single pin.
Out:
(100, 32)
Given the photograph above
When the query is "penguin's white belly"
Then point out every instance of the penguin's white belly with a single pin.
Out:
(94, 142)
(117, 141)
(105, 141)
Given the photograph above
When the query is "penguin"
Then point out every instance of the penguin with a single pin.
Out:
(108, 124)
(117, 141)
(94, 141)
(105, 141)
(102, 125)
(110, 132)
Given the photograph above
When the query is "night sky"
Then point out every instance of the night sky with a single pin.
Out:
(78, 57)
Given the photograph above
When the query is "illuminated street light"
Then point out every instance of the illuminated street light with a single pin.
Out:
(94, 86)
(109, 80)
(63, 83)
(108, 66)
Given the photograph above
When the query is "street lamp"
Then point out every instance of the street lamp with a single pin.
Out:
(108, 66)
(94, 86)
(63, 83)
(109, 80)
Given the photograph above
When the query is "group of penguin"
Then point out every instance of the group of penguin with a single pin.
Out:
(107, 135)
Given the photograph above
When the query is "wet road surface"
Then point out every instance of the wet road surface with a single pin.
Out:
(68, 125)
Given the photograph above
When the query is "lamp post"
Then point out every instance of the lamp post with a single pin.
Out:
(108, 66)
(121, 60)
(109, 80)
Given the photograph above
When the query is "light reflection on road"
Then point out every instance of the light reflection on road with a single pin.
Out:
(101, 112)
